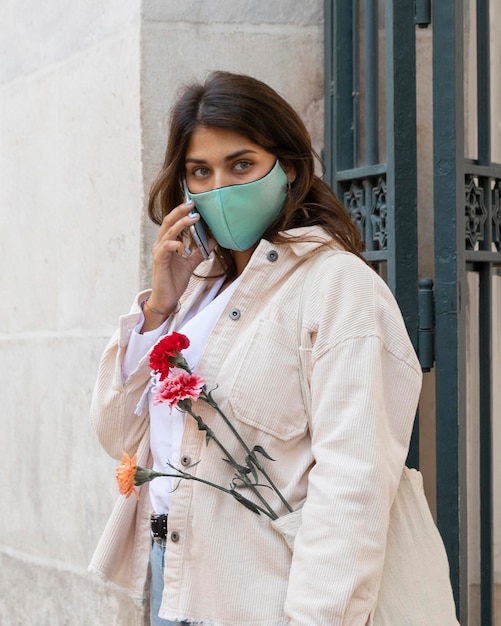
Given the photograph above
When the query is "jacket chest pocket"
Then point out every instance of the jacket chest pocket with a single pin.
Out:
(267, 389)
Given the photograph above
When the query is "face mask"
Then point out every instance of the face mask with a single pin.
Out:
(239, 214)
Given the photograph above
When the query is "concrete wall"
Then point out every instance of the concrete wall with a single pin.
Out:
(84, 93)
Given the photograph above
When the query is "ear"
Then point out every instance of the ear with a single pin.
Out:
(290, 171)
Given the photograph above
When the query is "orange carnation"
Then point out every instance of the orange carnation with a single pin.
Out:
(126, 473)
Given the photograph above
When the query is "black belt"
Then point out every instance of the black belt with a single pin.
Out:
(159, 526)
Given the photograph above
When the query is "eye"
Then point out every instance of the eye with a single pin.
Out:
(240, 166)
(200, 172)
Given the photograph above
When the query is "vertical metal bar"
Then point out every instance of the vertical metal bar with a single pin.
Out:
(485, 430)
(423, 13)
(356, 67)
(450, 371)
(371, 82)
(401, 161)
(339, 140)
(483, 83)
(485, 325)
(426, 324)
(400, 68)
(328, 156)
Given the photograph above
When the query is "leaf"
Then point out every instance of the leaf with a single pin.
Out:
(241, 469)
(210, 399)
(202, 426)
(262, 451)
(247, 503)
(237, 482)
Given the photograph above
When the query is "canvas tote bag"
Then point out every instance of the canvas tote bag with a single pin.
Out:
(415, 587)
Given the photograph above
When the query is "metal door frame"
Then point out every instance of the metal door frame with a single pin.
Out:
(467, 222)
(467, 239)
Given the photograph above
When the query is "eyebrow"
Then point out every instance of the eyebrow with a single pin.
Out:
(230, 157)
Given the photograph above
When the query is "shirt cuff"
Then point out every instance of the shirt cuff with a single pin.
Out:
(140, 344)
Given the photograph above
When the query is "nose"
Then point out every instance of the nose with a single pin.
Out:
(220, 179)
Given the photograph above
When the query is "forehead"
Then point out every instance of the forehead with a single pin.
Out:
(206, 141)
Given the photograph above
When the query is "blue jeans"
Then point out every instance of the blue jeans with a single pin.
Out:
(157, 559)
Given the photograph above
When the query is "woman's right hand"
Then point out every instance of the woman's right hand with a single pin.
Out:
(172, 267)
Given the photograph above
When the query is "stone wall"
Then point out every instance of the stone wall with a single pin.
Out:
(84, 93)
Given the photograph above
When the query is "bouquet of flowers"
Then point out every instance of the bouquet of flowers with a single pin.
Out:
(179, 386)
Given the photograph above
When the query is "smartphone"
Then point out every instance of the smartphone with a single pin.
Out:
(199, 235)
(197, 230)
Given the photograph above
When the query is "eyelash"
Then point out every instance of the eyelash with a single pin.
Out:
(196, 171)
(244, 162)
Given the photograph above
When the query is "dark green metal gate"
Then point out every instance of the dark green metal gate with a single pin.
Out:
(370, 154)
(371, 161)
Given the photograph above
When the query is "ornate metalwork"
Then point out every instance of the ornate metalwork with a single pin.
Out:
(354, 203)
(475, 214)
(378, 215)
(496, 215)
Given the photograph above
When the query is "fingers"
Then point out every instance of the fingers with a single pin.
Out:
(163, 246)
(172, 226)
(173, 263)
(177, 220)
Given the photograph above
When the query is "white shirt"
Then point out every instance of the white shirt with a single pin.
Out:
(166, 427)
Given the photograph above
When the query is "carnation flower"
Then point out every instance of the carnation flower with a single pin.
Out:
(181, 386)
(125, 474)
(129, 474)
(166, 353)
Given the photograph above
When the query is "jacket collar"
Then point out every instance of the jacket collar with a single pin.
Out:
(303, 242)
(307, 239)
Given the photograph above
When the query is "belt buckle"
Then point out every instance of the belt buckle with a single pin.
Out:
(159, 526)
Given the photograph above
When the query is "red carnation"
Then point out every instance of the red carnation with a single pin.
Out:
(164, 354)
(181, 386)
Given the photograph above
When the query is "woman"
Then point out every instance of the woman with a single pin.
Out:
(285, 269)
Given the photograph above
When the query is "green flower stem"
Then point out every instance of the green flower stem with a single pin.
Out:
(211, 435)
(207, 398)
(180, 361)
(145, 475)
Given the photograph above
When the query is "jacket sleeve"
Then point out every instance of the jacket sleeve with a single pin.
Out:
(114, 402)
(365, 382)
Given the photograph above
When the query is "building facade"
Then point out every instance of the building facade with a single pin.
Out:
(85, 92)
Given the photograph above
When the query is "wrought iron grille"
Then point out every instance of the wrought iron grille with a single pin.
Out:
(370, 155)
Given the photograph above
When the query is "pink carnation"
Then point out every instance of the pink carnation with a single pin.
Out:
(181, 386)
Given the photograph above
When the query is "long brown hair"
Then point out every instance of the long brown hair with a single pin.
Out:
(248, 106)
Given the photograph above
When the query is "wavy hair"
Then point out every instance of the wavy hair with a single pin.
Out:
(246, 105)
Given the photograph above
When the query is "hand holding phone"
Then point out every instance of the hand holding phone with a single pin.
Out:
(197, 229)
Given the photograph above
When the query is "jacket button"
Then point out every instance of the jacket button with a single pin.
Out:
(234, 314)
(272, 256)
(174, 536)
(185, 460)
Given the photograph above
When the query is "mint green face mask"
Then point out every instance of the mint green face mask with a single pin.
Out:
(239, 214)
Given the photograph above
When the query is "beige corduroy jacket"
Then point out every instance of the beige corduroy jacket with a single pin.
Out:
(229, 567)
